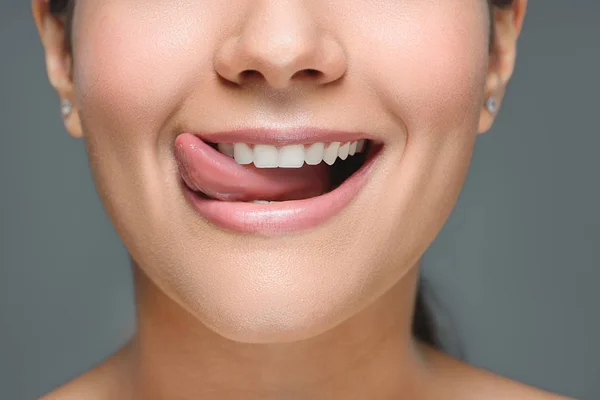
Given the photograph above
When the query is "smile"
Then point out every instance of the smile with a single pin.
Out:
(273, 182)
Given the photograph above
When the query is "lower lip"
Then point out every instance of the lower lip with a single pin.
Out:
(286, 216)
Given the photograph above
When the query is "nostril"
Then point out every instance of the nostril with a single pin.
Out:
(311, 73)
(250, 74)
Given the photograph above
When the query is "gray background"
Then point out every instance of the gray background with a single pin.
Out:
(514, 273)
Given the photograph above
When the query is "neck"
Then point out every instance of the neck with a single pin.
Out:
(370, 355)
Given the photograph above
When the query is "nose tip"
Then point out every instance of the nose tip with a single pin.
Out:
(279, 50)
(281, 65)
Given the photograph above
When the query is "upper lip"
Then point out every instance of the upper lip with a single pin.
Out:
(283, 137)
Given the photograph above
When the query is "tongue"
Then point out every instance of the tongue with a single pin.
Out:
(206, 170)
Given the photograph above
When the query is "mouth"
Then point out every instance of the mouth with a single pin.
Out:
(269, 184)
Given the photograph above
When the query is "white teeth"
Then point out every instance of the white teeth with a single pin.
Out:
(360, 146)
(266, 156)
(343, 151)
(291, 156)
(262, 202)
(242, 153)
(314, 154)
(352, 149)
(331, 153)
(226, 148)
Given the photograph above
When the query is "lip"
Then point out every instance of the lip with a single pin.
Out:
(287, 216)
(283, 137)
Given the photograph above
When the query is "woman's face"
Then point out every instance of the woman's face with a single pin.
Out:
(409, 75)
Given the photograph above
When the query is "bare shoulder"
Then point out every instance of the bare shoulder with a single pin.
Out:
(105, 381)
(459, 380)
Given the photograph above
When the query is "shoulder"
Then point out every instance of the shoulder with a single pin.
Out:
(106, 381)
(456, 379)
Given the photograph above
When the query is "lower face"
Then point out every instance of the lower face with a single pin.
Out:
(146, 82)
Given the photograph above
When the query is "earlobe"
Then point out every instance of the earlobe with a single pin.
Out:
(491, 105)
(58, 61)
(71, 118)
(73, 124)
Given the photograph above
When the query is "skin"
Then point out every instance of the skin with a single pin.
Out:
(229, 316)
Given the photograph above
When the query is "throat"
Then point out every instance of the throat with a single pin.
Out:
(369, 356)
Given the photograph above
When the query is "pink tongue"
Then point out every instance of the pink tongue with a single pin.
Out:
(205, 169)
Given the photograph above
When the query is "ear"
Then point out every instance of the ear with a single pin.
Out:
(507, 28)
(53, 35)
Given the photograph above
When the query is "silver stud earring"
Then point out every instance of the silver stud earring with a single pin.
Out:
(491, 104)
(66, 107)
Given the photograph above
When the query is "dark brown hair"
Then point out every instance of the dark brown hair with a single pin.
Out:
(423, 324)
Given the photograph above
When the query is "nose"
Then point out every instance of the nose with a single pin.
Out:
(280, 43)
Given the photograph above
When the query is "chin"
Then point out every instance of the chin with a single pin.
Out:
(267, 295)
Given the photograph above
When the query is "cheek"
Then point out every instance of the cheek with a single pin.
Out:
(428, 70)
(430, 67)
(133, 66)
(134, 63)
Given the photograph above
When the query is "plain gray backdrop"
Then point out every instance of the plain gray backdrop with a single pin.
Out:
(514, 274)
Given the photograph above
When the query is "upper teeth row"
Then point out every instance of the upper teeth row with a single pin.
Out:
(291, 156)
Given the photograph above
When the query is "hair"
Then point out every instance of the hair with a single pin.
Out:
(423, 326)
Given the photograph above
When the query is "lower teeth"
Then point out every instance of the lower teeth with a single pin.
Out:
(263, 202)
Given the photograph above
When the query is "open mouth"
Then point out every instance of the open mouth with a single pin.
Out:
(303, 171)
(270, 188)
